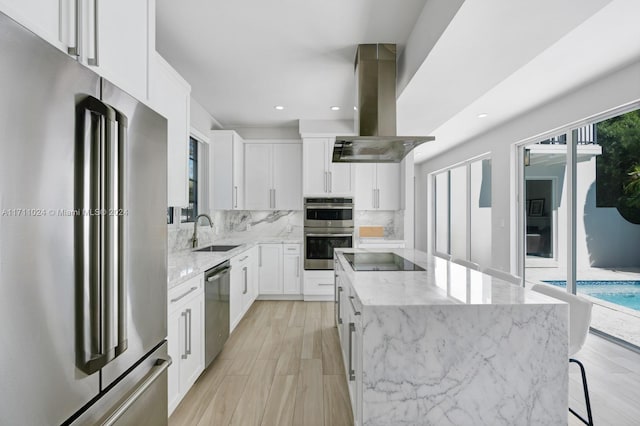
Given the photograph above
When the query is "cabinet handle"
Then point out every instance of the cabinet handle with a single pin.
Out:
(274, 198)
(94, 60)
(378, 198)
(338, 305)
(330, 182)
(235, 197)
(297, 266)
(326, 180)
(244, 258)
(355, 311)
(191, 290)
(186, 333)
(190, 330)
(352, 373)
(325, 284)
(74, 27)
(260, 256)
(244, 270)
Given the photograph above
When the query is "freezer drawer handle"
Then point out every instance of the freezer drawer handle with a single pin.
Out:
(156, 371)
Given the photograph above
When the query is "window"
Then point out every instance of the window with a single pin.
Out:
(189, 214)
(462, 211)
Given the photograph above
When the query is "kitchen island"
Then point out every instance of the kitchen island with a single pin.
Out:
(449, 346)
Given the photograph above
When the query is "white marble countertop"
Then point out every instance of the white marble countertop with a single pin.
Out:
(442, 283)
(186, 264)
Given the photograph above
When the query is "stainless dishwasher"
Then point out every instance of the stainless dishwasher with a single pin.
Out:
(216, 311)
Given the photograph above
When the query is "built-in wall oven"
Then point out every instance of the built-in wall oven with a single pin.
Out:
(328, 224)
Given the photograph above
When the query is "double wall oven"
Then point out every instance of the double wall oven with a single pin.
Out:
(328, 224)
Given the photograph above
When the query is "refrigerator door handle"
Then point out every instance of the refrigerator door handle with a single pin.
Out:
(156, 371)
(117, 214)
(93, 338)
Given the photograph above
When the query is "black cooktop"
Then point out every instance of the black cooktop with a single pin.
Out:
(380, 262)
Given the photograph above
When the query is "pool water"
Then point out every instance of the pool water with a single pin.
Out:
(624, 293)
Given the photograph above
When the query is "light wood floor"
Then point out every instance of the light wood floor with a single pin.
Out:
(280, 366)
(613, 375)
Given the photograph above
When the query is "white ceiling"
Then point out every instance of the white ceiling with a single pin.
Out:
(534, 52)
(502, 57)
(243, 57)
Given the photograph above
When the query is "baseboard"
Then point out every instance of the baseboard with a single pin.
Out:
(280, 297)
(318, 298)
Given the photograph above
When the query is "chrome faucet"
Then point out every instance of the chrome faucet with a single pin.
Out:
(194, 239)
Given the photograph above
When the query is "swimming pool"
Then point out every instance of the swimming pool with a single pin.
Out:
(624, 293)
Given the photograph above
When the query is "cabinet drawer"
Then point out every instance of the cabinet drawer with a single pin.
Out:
(184, 292)
(318, 283)
(291, 249)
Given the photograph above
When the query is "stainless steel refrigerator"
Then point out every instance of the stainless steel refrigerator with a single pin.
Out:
(82, 244)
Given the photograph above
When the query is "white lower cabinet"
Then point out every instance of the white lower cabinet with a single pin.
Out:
(280, 270)
(270, 266)
(318, 285)
(242, 290)
(185, 335)
(349, 325)
(291, 269)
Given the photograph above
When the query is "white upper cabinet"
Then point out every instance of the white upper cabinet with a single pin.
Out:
(169, 96)
(227, 157)
(118, 49)
(273, 174)
(287, 176)
(321, 175)
(113, 37)
(54, 21)
(258, 176)
(377, 186)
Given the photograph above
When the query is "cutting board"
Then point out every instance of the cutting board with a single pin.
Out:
(371, 232)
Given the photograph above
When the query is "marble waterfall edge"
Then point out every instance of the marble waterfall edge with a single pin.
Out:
(465, 365)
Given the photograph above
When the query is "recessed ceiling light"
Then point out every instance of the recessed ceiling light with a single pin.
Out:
(483, 115)
(355, 108)
(279, 107)
(335, 108)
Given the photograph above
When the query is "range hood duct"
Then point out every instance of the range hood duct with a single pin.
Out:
(375, 118)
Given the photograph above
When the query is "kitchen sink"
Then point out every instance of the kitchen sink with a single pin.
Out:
(217, 248)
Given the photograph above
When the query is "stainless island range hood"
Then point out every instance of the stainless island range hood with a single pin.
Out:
(375, 121)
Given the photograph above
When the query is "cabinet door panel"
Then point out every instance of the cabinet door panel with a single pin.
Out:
(340, 179)
(123, 35)
(257, 179)
(175, 337)
(235, 294)
(238, 173)
(170, 97)
(291, 274)
(51, 20)
(388, 185)
(365, 186)
(314, 167)
(287, 176)
(270, 266)
(192, 365)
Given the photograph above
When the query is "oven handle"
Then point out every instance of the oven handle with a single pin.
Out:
(328, 235)
(330, 207)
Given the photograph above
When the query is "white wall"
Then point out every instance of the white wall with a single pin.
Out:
(604, 238)
(618, 88)
(201, 120)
